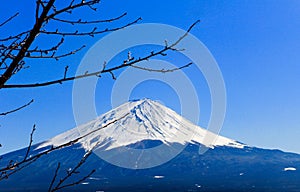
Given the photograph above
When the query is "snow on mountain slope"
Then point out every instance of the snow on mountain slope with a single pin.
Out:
(142, 120)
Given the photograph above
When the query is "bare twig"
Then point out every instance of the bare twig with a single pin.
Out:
(18, 36)
(9, 19)
(162, 70)
(91, 33)
(53, 55)
(79, 21)
(54, 177)
(71, 7)
(17, 109)
(30, 142)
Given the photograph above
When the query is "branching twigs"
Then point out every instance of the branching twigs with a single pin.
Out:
(17, 109)
(53, 55)
(32, 35)
(72, 6)
(76, 182)
(91, 33)
(60, 184)
(131, 62)
(14, 55)
(14, 167)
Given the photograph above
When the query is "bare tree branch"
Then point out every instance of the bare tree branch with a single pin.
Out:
(80, 21)
(89, 33)
(53, 55)
(30, 142)
(9, 19)
(162, 70)
(133, 61)
(18, 36)
(54, 176)
(32, 35)
(17, 109)
(13, 55)
(76, 182)
(14, 167)
(60, 184)
(71, 7)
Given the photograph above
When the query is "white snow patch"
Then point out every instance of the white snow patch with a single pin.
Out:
(95, 178)
(290, 169)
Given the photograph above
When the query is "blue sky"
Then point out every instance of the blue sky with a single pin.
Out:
(256, 44)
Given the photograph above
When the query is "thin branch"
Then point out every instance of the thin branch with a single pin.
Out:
(89, 33)
(71, 7)
(17, 109)
(79, 21)
(53, 55)
(46, 51)
(9, 19)
(37, 9)
(54, 177)
(162, 70)
(30, 142)
(18, 36)
(66, 70)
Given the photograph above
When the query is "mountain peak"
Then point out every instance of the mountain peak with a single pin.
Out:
(139, 120)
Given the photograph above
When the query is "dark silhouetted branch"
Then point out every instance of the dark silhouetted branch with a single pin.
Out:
(54, 176)
(17, 109)
(133, 61)
(32, 35)
(30, 142)
(9, 19)
(162, 70)
(60, 185)
(80, 21)
(89, 33)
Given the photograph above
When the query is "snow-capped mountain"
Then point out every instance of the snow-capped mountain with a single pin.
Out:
(143, 126)
(137, 121)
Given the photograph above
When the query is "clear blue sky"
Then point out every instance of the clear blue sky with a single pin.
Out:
(256, 44)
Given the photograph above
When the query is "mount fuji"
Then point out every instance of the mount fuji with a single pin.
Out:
(145, 146)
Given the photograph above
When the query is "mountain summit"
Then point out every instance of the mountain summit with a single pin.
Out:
(140, 120)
